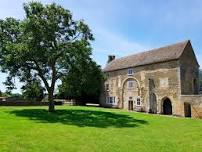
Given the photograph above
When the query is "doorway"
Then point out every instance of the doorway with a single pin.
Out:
(187, 109)
(167, 107)
(130, 105)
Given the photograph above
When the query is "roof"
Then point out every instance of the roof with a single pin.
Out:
(162, 54)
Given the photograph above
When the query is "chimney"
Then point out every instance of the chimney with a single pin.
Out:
(110, 58)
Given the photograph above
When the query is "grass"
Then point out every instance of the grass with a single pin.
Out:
(90, 129)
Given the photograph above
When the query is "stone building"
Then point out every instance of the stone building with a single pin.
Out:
(163, 81)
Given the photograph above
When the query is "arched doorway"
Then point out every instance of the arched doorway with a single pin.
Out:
(130, 91)
(152, 104)
(167, 107)
(187, 109)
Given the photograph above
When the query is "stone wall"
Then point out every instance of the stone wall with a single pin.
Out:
(156, 83)
(166, 78)
(189, 72)
(23, 103)
(196, 104)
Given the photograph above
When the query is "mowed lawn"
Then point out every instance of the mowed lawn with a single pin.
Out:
(91, 129)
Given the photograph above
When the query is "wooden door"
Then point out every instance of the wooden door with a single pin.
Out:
(130, 105)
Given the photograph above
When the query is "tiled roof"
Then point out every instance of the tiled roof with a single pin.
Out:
(163, 54)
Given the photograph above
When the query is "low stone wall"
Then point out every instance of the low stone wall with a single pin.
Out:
(23, 103)
(196, 104)
(16, 102)
(71, 102)
(74, 103)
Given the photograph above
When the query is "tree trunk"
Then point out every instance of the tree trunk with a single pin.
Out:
(51, 106)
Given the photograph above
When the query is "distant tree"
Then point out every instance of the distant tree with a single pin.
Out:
(33, 90)
(10, 85)
(5, 94)
(44, 45)
(83, 81)
(15, 95)
(0, 93)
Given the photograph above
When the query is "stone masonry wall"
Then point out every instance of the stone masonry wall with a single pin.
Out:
(166, 81)
(189, 72)
(196, 104)
(175, 80)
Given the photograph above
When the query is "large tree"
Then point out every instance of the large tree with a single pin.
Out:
(83, 81)
(45, 44)
(33, 90)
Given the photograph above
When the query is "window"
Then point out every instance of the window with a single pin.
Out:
(107, 87)
(131, 84)
(110, 100)
(138, 102)
(130, 71)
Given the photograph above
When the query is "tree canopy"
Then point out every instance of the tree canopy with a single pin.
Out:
(33, 90)
(83, 82)
(44, 45)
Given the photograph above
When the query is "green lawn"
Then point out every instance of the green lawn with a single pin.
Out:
(89, 129)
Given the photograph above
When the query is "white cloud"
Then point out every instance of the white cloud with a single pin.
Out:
(117, 42)
(108, 43)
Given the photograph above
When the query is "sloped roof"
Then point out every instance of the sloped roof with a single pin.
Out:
(163, 54)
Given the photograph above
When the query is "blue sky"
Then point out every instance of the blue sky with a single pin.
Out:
(130, 26)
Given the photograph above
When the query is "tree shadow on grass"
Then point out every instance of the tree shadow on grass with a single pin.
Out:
(81, 118)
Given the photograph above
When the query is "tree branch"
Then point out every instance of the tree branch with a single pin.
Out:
(41, 75)
(54, 73)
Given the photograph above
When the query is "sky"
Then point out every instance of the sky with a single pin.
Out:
(126, 27)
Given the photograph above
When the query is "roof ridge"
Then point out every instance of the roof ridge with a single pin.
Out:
(155, 49)
(161, 54)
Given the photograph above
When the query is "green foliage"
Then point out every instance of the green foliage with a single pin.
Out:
(33, 90)
(5, 94)
(10, 84)
(11, 95)
(44, 45)
(15, 95)
(83, 81)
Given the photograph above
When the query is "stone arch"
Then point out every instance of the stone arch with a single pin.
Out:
(166, 106)
(125, 80)
(123, 87)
